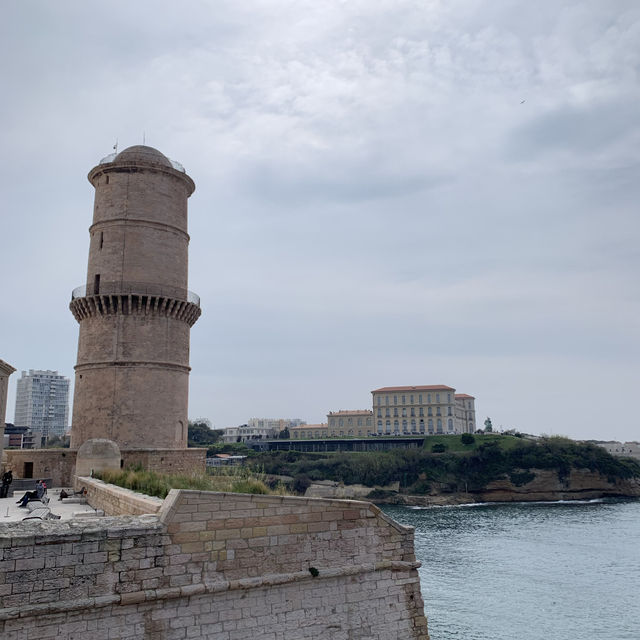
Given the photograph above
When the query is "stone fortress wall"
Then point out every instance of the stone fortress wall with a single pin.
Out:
(59, 464)
(213, 565)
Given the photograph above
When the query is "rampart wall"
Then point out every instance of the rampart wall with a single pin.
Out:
(214, 565)
(59, 464)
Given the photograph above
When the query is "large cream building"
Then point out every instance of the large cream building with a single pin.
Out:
(400, 411)
(429, 410)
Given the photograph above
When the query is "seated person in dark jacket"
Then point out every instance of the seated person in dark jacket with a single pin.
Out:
(32, 495)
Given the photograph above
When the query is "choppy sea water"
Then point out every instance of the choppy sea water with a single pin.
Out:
(529, 571)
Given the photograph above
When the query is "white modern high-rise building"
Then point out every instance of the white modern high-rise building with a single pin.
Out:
(42, 402)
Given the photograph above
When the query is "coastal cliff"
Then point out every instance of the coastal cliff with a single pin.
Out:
(581, 484)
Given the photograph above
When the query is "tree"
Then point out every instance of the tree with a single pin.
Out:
(284, 434)
(201, 435)
(467, 438)
(488, 427)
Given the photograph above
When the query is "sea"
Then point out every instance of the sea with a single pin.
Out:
(529, 571)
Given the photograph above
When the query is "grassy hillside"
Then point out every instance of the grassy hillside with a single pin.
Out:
(461, 466)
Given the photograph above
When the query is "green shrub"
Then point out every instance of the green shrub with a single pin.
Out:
(301, 483)
(438, 448)
(520, 478)
(467, 438)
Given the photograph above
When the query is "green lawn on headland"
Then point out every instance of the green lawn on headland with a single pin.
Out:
(453, 444)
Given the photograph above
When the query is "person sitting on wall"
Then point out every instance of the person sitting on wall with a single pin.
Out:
(63, 494)
(32, 495)
(7, 479)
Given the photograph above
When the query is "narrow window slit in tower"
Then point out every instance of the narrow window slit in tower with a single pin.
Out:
(96, 284)
(107, 180)
(101, 239)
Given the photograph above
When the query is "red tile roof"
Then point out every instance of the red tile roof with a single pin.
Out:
(351, 413)
(464, 395)
(310, 426)
(429, 387)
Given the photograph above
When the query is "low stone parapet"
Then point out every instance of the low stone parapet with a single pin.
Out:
(117, 501)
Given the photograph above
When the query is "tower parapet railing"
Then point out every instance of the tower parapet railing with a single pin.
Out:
(135, 288)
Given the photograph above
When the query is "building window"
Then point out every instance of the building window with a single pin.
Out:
(403, 397)
(437, 397)
(386, 413)
(379, 426)
(421, 411)
(395, 399)
(429, 411)
(341, 422)
(413, 412)
(450, 425)
(438, 413)
(388, 426)
(448, 397)
(439, 425)
(404, 426)
(379, 400)
(429, 398)
(379, 412)
(430, 425)
(102, 237)
(413, 425)
(396, 427)
(386, 400)
(420, 399)
(395, 412)
(404, 412)
(411, 399)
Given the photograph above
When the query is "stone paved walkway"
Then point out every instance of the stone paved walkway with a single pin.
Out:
(66, 509)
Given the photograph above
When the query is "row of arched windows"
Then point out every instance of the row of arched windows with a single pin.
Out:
(412, 427)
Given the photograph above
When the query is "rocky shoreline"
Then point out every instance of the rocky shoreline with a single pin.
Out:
(546, 486)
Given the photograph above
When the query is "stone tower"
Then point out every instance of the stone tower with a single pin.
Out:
(135, 311)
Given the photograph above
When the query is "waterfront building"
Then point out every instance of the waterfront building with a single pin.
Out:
(42, 402)
(244, 432)
(278, 424)
(309, 432)
(427, 409)
(465, 413)
(350, 423)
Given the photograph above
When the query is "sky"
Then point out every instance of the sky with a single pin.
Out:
(387, 193)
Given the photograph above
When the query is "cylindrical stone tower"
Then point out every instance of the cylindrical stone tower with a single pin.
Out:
(135, 312)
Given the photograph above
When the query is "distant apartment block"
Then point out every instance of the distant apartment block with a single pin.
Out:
(423, 410)
(42, 402)
(20, 438)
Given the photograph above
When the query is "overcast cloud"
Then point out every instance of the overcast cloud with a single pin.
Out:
(387, 193)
